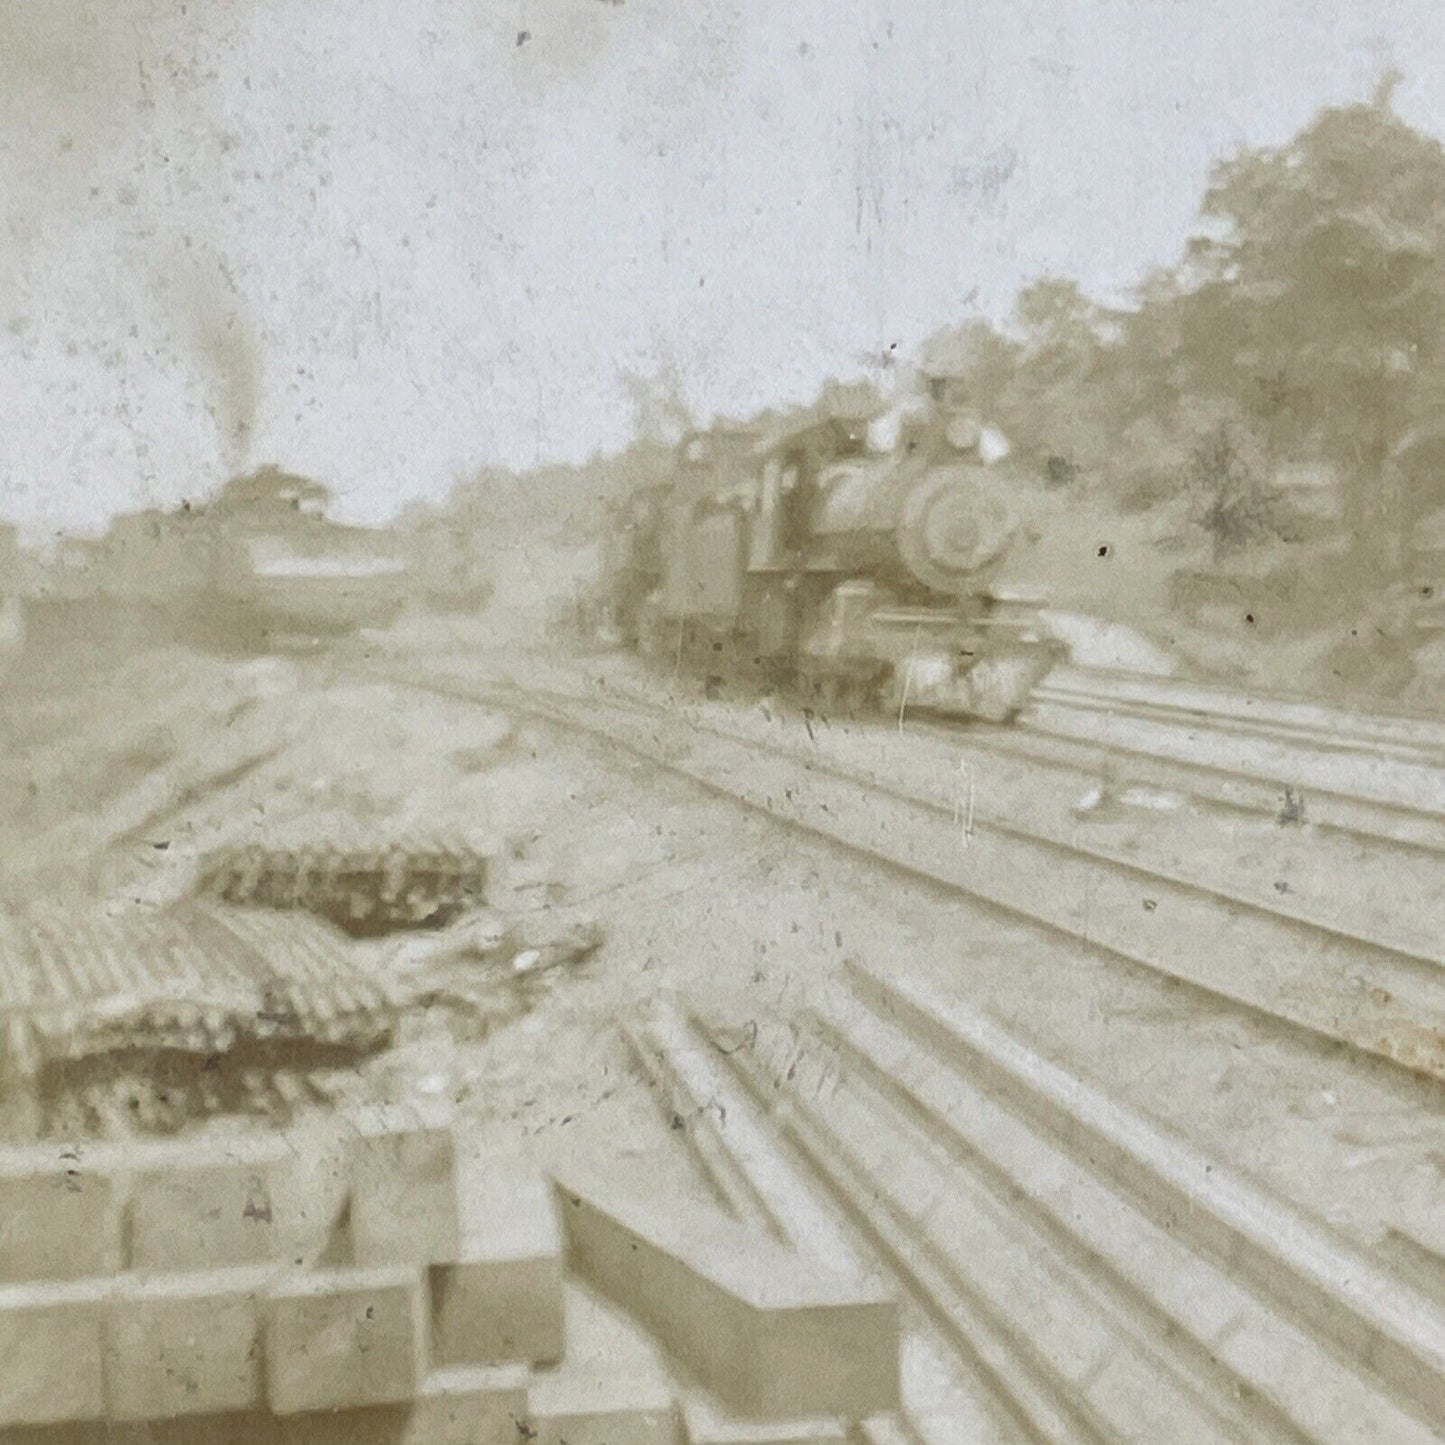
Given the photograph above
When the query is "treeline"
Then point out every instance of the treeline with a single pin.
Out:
(1301, 327)
(562, 504)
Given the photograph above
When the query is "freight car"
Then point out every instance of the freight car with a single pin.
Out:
(808, 556)
(289, 575)
(258, 567)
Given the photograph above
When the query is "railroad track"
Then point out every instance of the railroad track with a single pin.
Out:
(1259, 714)
(1337, 774)
(1389, 763)
(1085, 1275)
(1269, 792)
(1377, 776)
(1383, 998)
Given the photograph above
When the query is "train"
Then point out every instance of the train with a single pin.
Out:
(259, 567)
(850, 555)
(286, 573)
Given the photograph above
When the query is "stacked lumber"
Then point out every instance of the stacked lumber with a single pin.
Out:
(364, 886)
(147, 1020)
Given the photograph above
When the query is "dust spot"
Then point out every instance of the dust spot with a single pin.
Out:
(1292, 810)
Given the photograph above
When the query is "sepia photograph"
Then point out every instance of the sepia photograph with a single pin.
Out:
(722, 723)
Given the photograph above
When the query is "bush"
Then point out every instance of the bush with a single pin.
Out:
(1232, 502)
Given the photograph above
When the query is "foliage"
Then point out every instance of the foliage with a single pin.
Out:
(1325, 296)
(659, 406)
(1231, 499)
(1309, 307)
(1043, 385)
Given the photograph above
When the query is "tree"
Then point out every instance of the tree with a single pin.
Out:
(1059, 403)
(659, 406)
(981, 357)
(1233, 501)
(1320, 304)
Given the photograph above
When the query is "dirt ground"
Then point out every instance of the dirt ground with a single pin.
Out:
(125, 784)
(727, 908)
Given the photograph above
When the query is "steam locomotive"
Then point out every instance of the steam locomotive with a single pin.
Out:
(824, 556)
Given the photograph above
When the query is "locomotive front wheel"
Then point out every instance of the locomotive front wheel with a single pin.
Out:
(818, 689)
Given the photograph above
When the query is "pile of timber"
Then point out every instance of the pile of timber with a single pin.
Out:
(147, 1020)
(361, 884)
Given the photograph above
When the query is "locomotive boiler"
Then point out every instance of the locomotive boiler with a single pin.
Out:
(809, 556)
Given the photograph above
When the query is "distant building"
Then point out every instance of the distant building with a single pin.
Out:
(269, 492)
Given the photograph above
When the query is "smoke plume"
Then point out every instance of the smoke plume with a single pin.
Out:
(216, 327)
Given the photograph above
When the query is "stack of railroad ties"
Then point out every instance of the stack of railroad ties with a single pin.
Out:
(378, 1282)
(244, 1289)
(143, 1020)
(146, 1020)
(411, 880)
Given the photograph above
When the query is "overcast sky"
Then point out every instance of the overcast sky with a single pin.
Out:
(418, 235)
